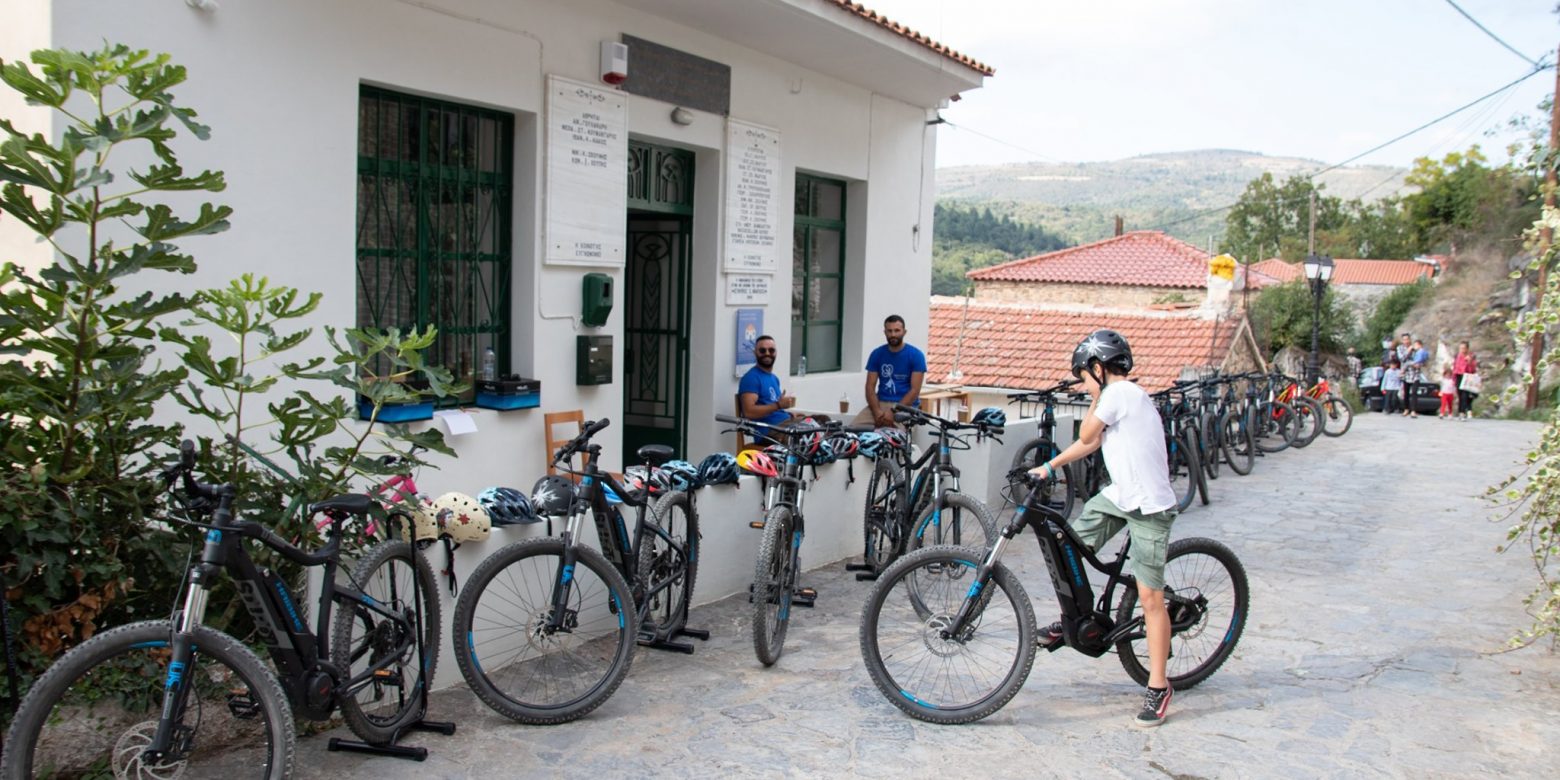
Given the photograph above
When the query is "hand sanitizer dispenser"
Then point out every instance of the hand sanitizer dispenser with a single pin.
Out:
(596, 291)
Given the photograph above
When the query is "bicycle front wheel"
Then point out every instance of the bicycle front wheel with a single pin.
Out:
(1207, 595)
(932, 676)
(368, 642)
(95, 711)
(963, 521)
(1275, 426)
(1235, 441)
(773, 583)
(1183, 471)
(1309, 420)
(1062, 492)
(669, 564)
(521, 659)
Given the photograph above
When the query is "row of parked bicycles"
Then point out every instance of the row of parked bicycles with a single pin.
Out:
(544, 629)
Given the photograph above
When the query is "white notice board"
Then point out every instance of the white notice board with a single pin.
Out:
(752, 197)
(747, 289)
(587, 173)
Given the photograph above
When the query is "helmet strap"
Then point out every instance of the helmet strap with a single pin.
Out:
(1099, 378)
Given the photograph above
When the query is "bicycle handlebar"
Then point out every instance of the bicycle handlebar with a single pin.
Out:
(919, 416)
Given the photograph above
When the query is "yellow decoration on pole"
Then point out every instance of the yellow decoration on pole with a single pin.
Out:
(1222, 266)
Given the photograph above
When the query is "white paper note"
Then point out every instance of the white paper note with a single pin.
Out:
(457, 422)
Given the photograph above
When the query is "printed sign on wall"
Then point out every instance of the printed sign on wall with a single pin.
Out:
(752, 197)
(587, 173)
(750, 325)
(746, 288)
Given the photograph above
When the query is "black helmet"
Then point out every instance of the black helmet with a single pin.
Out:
(1105, 346)
(553, 496)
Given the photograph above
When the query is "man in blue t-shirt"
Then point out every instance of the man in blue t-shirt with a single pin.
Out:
(894, 374)
(759, 389)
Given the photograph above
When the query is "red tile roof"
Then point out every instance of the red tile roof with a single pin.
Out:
(1025, 346)
(1141, 257)
(1345, 271)
(882, 21)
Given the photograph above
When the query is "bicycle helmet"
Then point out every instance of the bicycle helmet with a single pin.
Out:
(778, 454)
(1106, 347)
(507, 506)
(757, 462)
(552, 496)
(870, 444)
(845, 445)
(990, 415)
(461, 518)
(894, 438)
(824, 453)
(719, 468)
(681, 475)
(808, 445)
(425, 527)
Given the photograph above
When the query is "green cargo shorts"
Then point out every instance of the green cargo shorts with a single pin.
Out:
(1101, 519)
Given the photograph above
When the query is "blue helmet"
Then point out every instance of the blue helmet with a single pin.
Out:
(870, 444)
(990, 415)
(681, 475)
(719, 468)
(507, 506)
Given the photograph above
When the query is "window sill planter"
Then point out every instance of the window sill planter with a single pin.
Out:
(511, 392)
(410, 411)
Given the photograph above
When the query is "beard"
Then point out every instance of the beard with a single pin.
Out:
(766, 362)
(895, 341)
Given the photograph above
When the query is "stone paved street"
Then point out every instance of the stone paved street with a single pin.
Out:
(1378, 613)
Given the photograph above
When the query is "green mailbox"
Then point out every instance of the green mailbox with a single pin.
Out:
(593, 360)
(596, 292)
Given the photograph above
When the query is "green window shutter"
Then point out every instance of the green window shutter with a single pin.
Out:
(818, 273)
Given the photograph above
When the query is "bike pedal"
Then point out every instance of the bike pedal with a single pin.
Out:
(243, 706)
(804, 597)
(389, 677)
(866, 576)
(758, 524)
(1053, 645)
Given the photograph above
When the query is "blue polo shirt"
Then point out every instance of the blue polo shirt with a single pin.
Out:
(893, 371)
(767, 387)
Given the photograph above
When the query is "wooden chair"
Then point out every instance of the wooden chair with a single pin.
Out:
(742, 442)
(555, 418)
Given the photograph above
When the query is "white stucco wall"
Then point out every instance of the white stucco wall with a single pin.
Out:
(25, 28)
(278, 82)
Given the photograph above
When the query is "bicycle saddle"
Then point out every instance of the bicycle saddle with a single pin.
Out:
(656, 454)
(351, 503)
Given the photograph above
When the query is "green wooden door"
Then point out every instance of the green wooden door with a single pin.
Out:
(655, 295)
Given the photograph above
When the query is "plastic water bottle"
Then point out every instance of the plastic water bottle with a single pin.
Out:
(801, 369)
(489, 365)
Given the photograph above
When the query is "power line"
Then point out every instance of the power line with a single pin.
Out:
(1000, 141)
(1536, 70)
(1496, 38)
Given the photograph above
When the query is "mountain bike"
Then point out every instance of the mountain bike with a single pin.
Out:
(912, 503)
(948, 633)
(1227, 428)
(166, 698)
(1337, 414)
(1309, 417)
(1187, 477)
(777, 570)
(545, 628)
(1043, 447)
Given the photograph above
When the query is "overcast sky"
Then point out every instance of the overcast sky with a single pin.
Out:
(1081, 80)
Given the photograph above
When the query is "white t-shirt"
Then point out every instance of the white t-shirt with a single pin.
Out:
(1134, 449)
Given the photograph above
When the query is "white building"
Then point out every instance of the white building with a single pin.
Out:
(766, 154)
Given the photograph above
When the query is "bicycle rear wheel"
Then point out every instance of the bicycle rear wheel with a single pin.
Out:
(944, 679)
(965, 521)
(1062, 495)
(1275, 426)
(883, 516)
(1183, 471)
(1338, 416)
(1235, 440)
(512, 655)
(1207, 594)
(1309, 420)
(365, 640)
(773, 583)
(94, 711)
(673, 563)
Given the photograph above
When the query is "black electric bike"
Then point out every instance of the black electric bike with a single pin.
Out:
(948, 633)
(172, 698)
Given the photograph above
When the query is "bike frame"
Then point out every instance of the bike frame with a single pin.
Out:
(295, 651)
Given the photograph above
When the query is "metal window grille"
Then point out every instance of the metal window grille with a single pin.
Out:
(818, 273)
(435, 182)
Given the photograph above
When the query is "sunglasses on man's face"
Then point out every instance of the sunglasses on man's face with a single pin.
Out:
(763, 352)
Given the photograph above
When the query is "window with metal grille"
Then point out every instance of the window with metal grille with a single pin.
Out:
(435, 182)
(817, 274)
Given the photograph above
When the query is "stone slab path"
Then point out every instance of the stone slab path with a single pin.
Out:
(1379, 611)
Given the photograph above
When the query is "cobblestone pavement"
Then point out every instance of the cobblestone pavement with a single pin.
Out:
(1378, 612)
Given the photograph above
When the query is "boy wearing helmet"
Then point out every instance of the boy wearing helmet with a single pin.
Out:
(1123, 422)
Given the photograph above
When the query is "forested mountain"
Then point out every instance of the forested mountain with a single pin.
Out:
(970, 238)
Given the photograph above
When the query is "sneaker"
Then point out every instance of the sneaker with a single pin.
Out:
(1156, 707)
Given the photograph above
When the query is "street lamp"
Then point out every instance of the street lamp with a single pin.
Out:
(1318, 272)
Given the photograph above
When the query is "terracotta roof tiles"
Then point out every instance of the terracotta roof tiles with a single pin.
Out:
(1345, 271)
(1024, 346)
(1141, 257)
(888, 24)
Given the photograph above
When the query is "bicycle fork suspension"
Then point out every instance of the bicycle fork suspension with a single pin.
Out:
(959, 629)
(181, 663)
(563, 583)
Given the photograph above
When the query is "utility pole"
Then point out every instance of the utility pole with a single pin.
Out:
(1545, 237)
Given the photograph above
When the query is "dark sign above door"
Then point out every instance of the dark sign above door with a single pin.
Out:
(677, 77)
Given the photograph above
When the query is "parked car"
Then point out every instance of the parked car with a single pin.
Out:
(1425, 396)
